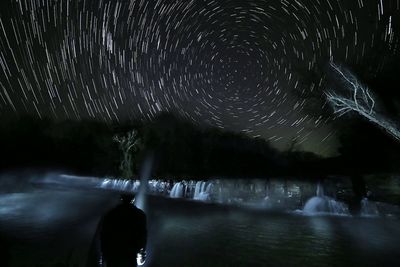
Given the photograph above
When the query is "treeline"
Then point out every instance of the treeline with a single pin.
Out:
(184, 150)
(180, 148)
(83, 147)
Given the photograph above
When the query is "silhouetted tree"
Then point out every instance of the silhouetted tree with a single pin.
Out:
(127, 144)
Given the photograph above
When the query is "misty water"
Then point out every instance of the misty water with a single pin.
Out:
(45, 225)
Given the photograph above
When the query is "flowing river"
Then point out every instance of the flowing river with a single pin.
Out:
(55, 226)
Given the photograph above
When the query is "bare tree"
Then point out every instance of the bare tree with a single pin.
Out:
(356, 97)
(127, 144)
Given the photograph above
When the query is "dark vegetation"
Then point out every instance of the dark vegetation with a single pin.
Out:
(84, 147)
(87, 147)
(364, 147)
(185, 150)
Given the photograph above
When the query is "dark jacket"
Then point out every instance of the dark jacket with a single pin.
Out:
(123, 233)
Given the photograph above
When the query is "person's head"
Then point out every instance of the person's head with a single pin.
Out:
(127, 198)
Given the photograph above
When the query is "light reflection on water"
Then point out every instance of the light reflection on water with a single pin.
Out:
(241, 238)
(45, 225)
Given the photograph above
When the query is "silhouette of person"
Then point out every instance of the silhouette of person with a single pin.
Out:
(123, 234)
(4, 251)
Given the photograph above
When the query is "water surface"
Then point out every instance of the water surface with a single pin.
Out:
(44, 227)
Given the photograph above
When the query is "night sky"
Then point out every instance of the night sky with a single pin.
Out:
(237, 65)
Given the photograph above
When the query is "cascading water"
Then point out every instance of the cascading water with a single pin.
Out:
(198, 189)
(368, 208)
(120, 185)
(177, 190)
(202, 191)
(320, 191)
(321, 204)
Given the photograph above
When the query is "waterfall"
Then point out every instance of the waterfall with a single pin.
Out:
(199, 188)
(368, 208)
(120, 185)
(209, 188)
(321, 204)
(203, 186)
(202, 191)
(320, 190)
(177, 190)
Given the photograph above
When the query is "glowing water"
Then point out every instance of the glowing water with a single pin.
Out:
(120, 185)
(324, 204)
(177, 190)
(199, 187)
(202, 191)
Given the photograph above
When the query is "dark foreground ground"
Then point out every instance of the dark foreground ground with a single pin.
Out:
(48, 227)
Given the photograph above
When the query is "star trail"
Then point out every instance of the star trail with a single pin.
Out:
(226, 63)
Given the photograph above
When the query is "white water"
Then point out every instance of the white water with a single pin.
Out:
(202, 191)
(177, 190)
(321, 204)
(120, 185)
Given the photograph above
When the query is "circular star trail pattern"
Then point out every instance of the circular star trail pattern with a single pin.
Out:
(231, 64)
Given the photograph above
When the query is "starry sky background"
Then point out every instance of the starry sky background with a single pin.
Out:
(237, 65)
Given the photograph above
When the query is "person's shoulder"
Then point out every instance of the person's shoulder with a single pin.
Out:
(139, 211)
